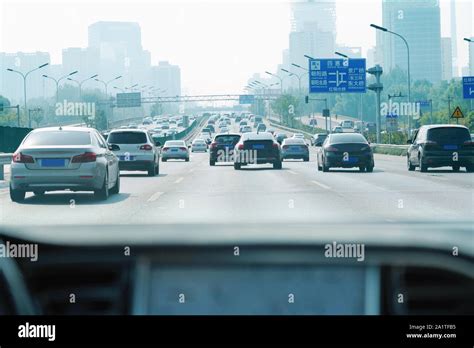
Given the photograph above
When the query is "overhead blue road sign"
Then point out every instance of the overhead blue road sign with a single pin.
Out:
(468, 87)
(246, 99)
(337, 76)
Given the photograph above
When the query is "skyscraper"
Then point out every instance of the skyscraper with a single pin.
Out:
(419, 22)
(313, 30)
(446, 59)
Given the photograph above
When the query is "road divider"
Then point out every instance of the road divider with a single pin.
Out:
(388, 149)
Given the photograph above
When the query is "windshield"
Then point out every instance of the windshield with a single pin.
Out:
(51, 138)
(448, 135)
(127, 138)
(243, 138)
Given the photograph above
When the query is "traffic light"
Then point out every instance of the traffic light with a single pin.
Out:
(306, 99)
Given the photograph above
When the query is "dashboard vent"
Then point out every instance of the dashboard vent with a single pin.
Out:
(98, 289)
(428, 291)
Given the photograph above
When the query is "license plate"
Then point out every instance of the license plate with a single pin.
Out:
(174, 150)
(127, 158)
(53, 162)
(450, 147)
(258, 147)
(353, 159)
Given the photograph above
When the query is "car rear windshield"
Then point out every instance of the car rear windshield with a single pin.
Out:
(347, 138)
(448, 135)
(174, 143)
(294, 142)
(49, 138)
(127, 138)
(227, 139)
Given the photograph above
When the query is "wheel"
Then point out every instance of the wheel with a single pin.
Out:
(277, 165)
(157, 169)
(39, 193)
(410, 166)
(324, 166)
(103, 193)
(456, 168)
(152, 170)
(470, 168)
(318, 166)
(306, 159)
(237, 166)
(361, 169)
(116, 189)
(212, 163)
(187, 159)
(17, 195)
(163, 159)
(369, 169)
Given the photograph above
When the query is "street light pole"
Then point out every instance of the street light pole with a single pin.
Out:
(59, 80)
(81, 82)
(408, 66)
(278, 77)
(469, 41)
(24, 81)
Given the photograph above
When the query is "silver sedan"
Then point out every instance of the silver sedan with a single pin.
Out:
(175, 149)
(64, 158)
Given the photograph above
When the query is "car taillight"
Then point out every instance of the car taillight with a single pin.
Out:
(19, 157)
(430, 144)
(276, 145)
(468, 143)
(146, 147)
(183, 148)
(213, 145)
(285, 146)
(85, 158)
(331, 149)
(165, 149)
(240, 147)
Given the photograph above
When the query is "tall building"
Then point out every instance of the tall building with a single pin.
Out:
(166, 76)
(11, 83)
(446, 59)
(119, 50)
(419, 22)
(313, 30)
(454, 34)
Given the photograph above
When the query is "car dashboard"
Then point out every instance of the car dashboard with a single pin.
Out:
(249, 269)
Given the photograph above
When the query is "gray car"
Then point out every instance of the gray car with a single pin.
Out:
(294, 148)
(136, 150)
(175, 149)
(64, 158)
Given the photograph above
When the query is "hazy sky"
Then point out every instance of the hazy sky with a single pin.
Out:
(217, 43)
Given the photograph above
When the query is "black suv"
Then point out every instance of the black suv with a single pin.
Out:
(222, 148)
(257, 148)
(439, 146)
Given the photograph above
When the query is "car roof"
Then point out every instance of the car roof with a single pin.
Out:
(226, 134)
(430, 126)
(294, 141)
(257, 136)
(66, 128)
(136, 130)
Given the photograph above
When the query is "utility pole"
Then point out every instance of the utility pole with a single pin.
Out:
(377, 87)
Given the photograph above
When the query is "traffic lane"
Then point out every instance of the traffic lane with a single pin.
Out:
(64, 207)
(391, 195)
(255, 194)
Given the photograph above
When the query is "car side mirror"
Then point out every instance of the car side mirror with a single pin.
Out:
(157, 143)
(113, 147)
(409, 141)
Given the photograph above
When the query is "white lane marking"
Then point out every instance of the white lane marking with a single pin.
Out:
(292, 172)
(321, 185)
(178, 180)
(155, 196)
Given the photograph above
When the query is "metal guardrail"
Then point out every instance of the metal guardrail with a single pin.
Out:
(5, 158)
